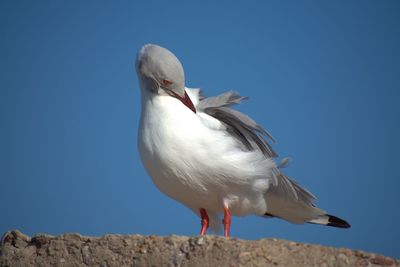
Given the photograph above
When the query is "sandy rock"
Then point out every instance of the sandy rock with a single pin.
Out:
(17, 249)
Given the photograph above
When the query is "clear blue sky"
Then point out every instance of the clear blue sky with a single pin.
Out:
(322, 77)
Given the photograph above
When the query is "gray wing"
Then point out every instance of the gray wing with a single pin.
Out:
(239, 125)
(288, 188)
(290, 201)
(250, 134)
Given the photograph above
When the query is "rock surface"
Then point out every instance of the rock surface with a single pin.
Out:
(17, 249)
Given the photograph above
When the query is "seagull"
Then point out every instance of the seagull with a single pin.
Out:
(210, 157)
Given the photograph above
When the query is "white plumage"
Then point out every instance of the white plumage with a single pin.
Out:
(208, 156)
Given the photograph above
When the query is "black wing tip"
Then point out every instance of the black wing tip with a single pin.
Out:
(268, 214)
(337, 222)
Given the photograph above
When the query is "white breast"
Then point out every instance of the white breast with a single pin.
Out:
(193, 160)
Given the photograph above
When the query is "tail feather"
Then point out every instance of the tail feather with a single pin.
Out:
(331, 220)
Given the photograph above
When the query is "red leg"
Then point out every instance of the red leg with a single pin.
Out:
(227, 221)
(205, 221)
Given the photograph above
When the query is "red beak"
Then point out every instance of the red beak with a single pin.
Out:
(185, 100)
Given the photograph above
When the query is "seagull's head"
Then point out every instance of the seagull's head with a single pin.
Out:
(160, 71)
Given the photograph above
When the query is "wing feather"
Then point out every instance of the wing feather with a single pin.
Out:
(241, 126)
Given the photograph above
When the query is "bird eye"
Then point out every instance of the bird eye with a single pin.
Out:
(166, 82)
